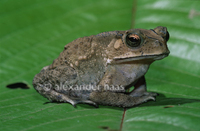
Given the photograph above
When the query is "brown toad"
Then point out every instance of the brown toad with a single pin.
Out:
(99, 68)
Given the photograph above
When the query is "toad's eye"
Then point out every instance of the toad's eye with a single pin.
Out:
(133, 40)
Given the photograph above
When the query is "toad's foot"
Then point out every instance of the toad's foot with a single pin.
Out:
(118, 99)
(150, 94)
(77, 101)
(59, 97)
(147, 98)
(138, 94)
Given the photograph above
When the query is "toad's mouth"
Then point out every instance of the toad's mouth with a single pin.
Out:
(142, 58)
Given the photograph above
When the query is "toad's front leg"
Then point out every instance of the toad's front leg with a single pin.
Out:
(141, 89)
(116, 98)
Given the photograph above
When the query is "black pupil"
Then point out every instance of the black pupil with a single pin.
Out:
(133, 39)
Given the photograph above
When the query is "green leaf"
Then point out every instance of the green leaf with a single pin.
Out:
(34, 32)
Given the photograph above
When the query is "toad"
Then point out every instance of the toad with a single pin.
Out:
(98, 69)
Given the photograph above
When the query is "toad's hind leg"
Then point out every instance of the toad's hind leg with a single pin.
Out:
(47, 81)
(118, 99)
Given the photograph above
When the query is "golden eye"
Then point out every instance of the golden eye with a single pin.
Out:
(133, 40)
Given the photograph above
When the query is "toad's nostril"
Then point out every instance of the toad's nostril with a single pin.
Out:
(162, 31)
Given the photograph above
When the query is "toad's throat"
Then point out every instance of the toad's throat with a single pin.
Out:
(140, 58)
